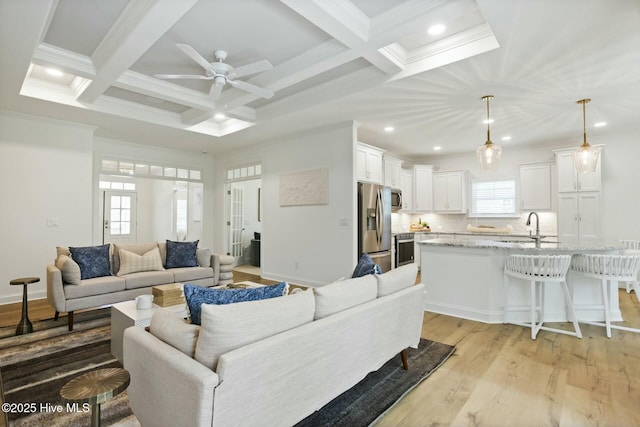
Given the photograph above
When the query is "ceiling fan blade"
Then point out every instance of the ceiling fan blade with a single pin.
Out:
(215, 91)
(182, 76)
(253, 68)
(191, 53)
(248, 87)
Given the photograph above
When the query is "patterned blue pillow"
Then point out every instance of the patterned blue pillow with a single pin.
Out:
(198, 295)
(181, 254)
(92, 260)
(366, 266)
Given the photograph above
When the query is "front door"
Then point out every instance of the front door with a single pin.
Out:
(119, 217)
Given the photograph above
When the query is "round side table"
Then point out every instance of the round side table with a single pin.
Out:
(25, 326)
(96, 387)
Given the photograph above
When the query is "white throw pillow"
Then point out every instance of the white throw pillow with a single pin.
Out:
(397, 279)
(230, 326)
(70, 270)
(344, 294)
(175, 331)
(131, 262)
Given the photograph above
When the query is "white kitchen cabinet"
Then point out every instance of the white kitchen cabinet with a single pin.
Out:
(423, 188)
(579, 217)
(406, 185)
(392, 167)
(570, 180)
(535, 187)
(369, 163)
(449, 192)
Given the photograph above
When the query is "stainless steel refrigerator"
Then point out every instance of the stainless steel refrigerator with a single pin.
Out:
(374, 223)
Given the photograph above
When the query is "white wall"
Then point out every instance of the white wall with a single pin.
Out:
(48, 172)
(45, 174)
(301, 244)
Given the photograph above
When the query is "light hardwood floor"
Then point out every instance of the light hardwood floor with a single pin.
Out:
(498, 376)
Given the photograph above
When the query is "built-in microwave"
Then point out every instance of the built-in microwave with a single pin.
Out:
(396, 200)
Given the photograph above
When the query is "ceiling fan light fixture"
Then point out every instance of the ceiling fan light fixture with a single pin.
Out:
(489, 153)
(585, 158)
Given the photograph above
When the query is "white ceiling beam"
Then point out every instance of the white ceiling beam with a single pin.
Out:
(343, 21)
(69, 62)
(28, 23)
(139, 26)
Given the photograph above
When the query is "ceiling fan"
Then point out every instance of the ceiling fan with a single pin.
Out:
(221, 73)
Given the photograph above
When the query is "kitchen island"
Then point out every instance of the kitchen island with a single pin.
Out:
(464, 278)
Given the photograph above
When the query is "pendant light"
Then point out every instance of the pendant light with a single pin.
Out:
(585, 158)
(489, 153)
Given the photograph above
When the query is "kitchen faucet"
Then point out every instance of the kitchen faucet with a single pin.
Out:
(537, 237)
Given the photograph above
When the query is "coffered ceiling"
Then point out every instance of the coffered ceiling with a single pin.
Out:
(372, 61)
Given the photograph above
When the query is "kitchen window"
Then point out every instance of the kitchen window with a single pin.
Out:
(493, 198)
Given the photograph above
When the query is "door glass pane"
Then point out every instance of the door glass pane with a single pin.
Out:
(115, 202)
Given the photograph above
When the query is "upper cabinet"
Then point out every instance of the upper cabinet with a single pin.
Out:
(535, 187)
(406, 185)
(368, 163)
(449, 192)
(392, 167)
(569, 180)
(423, 188)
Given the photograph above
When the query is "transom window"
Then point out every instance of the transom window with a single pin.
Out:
(493, 198)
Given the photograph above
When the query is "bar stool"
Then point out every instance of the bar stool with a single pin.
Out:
(632, 247)
(609, 269)
(539, 270)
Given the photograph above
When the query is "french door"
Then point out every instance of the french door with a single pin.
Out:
(119, 217)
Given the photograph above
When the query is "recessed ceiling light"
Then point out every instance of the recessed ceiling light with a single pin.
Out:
(600, 124)
(485, 121)
(54, 72)
(506, 138)
(389, 129)
(219, 116)
(434, 30)
(437, 148)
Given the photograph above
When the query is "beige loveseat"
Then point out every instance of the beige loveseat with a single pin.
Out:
(271, 362)
(66, 292)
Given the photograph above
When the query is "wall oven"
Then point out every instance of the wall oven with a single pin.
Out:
(404, 249)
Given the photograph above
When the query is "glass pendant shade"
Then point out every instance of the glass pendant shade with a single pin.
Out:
(585, 158)
(489, 156)
(489, 153)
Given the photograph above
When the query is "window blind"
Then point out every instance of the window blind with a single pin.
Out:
(493, 197)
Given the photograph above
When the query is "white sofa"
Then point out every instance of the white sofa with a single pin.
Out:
(63, 296)
(324, 342)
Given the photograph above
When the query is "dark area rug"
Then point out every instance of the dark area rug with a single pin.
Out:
(34, 367)
(368, 400)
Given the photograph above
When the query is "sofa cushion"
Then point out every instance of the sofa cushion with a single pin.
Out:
(365, 266)
(230, 326)
(93, 260)
(131, 262)
(344, 294)
(203, 256)
(196, 296)
(175, 331)
(145, 279)
(95, 286)
(397, 279)
(136, 248)
(186, 274)
(69, 268)
(181, 254)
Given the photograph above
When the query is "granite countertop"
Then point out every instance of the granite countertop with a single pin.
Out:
(519, 245)
(468, 233)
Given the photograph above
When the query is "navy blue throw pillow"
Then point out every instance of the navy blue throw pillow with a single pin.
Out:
(366, 266)
(92, 260)
(198, 295)
(181, 254)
